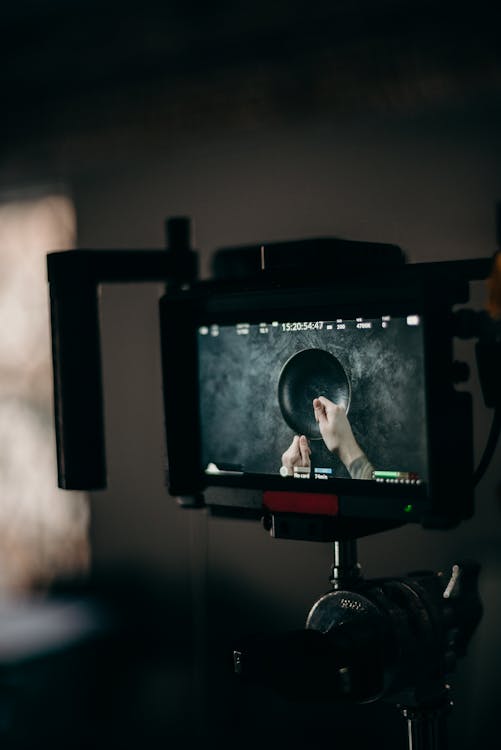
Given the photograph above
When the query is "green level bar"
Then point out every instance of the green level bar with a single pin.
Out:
(389, 474)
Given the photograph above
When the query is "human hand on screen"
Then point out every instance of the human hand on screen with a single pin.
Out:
(336, 430)
(297, 454)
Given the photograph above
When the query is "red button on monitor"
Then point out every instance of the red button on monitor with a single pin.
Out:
(301, 502)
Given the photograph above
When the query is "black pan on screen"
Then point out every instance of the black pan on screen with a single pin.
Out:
(306, 375)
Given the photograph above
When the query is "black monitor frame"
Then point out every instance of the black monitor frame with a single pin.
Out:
(356, 273)
(430, 290)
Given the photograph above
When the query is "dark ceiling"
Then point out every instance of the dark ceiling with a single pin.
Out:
(60, 61)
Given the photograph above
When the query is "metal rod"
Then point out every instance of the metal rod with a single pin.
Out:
(426, 729)
(345, 570)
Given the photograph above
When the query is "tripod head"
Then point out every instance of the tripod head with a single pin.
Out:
(392, 639)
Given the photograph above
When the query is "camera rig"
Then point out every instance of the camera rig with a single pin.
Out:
(393, 639)
(310, 280)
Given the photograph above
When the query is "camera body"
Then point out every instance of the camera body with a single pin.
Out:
(246, 353)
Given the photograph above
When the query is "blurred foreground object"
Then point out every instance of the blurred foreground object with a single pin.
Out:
(43, 531)
(100, 663)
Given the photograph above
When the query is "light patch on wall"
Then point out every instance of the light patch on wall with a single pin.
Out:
(43, 530)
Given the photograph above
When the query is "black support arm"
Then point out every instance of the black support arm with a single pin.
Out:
(74, 278)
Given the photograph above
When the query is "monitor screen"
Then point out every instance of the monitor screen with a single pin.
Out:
(314, 399)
